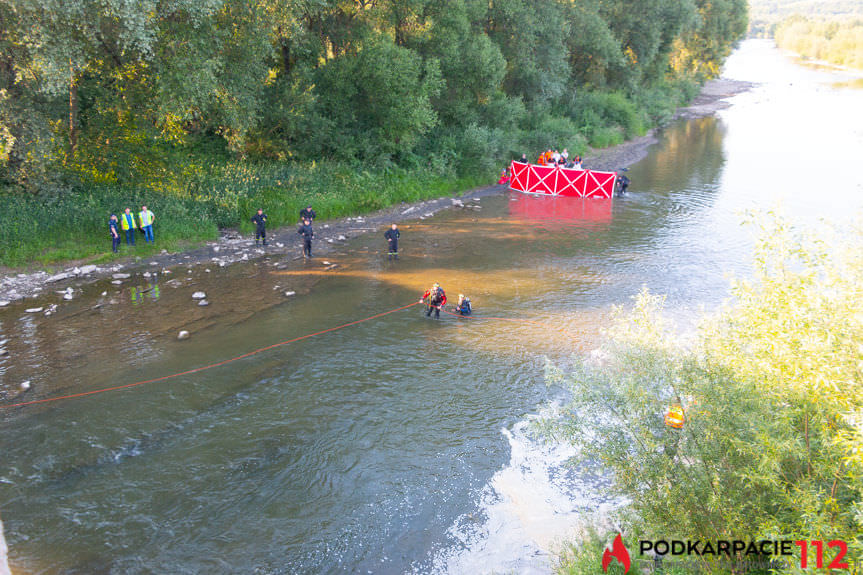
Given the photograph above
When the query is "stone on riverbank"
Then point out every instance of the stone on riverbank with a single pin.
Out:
(183, 335)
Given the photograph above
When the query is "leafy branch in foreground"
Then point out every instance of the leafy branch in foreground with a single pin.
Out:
(772, 388)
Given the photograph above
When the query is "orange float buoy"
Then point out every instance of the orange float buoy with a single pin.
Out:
(674, 417)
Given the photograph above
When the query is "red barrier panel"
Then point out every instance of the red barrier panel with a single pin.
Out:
(557, 181)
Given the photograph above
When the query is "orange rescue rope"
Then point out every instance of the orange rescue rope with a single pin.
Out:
(206, 367)
(273, 346)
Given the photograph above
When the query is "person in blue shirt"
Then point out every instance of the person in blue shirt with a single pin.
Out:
(146, 219)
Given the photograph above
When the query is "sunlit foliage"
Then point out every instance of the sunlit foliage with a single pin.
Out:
(834, 41)
(772, 388)
(133, 93)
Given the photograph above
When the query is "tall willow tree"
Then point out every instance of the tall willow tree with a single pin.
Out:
(115, 90)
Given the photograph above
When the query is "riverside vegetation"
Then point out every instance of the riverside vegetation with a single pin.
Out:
(773, 391)
(205, 110)
(839, 42)
(827, 30)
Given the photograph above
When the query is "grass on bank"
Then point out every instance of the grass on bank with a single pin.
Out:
(199, 187)
(72, 224)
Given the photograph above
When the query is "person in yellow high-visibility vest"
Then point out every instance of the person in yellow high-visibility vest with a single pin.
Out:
(147, 218)
(127, 222)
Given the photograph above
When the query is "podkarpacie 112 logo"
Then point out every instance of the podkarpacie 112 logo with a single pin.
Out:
(735, 554)
(619, 552)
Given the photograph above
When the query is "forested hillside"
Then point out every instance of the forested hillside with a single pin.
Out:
(834, 41)
(205, 108)
(765, 15)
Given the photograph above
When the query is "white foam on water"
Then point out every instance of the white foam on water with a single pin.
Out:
(4, 565)
(527, 511)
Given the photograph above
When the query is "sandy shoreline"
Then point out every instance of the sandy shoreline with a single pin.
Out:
(45, 288)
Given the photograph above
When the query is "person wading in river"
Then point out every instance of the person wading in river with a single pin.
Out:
(308, 233)
(436, 300)
(392, 235)
(463, 306)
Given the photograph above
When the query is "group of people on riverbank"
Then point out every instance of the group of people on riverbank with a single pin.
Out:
(555, 158)
(129, 225)
(304, 228)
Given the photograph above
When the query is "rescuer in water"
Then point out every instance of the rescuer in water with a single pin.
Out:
(463, 306)
(436, 300)
(392, 235)
(622, 184)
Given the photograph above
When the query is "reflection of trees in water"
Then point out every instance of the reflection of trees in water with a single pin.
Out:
(139, 294)
(678, 180)
(690, 156)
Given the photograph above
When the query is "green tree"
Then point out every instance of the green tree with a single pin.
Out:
(377, 102)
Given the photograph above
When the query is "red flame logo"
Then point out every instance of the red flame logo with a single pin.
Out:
(619, 552)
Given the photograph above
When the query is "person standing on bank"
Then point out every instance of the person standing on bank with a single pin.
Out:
(146, 219)
(308, 213)
(260, 221)
(308, 233)
(392, 235)
(127, 222)
(113, 228)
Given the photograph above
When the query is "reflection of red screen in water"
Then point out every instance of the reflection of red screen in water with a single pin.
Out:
(562, 210)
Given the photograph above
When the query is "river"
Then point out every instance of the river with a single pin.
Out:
(400, 444)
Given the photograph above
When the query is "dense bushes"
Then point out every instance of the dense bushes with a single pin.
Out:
(72, 223)
(773, 400)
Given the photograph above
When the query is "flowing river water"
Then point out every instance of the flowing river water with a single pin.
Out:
(397, 445)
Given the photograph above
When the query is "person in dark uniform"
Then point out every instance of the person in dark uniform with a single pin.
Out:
(523, 159)
(308, 213)
(308, 233)
(260, 221)
(622, 184)
(392, 235)
(463, 306)
(114, 229)
(436, 300)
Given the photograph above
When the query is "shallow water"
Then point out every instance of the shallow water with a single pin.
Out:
(396, 445)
